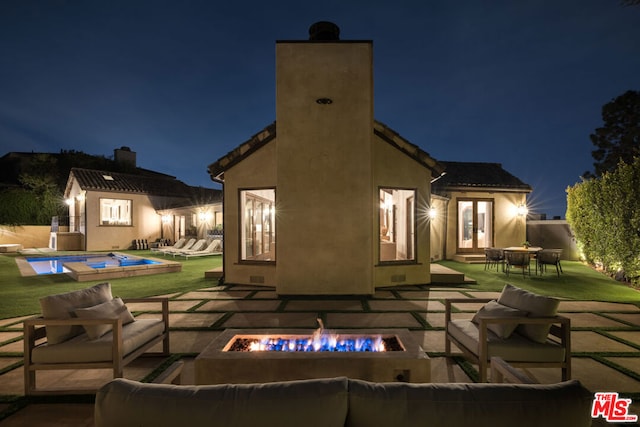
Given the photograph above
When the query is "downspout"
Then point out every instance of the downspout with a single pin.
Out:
(86, 228)
(220, 179)
(446, 224)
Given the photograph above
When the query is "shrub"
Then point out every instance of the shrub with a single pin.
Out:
(604, 214)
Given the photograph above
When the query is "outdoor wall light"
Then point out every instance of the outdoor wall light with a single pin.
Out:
(522, 210)
(69, 201)
(433, 213)
(204, 216)
(166, 219)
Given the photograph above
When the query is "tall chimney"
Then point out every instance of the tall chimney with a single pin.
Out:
(124, 156)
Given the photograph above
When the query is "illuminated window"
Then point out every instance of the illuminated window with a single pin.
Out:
(115, 212)
(397, 224)
(257, 229)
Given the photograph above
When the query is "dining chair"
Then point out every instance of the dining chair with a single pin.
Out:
(493, 256)
(518, 260)
(546, 257)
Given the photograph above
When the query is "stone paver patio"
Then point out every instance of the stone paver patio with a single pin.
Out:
(605, 341)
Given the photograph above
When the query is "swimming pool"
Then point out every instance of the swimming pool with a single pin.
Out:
(56, 264)
(98, 266)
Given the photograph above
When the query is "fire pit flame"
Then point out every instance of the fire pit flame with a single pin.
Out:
(320, 341)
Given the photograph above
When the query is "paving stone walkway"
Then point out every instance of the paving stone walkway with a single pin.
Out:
(605, 341)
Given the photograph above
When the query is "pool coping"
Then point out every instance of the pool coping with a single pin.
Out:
(81, 272)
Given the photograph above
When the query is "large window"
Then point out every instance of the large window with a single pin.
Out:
(115, 212)
(257, 225)
(397, 224)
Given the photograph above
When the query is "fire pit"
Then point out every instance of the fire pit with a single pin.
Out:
(251, 356)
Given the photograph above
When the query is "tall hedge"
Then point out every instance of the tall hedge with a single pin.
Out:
(604, 214)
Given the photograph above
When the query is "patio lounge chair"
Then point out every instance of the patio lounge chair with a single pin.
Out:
(186, 246)
(177, 245)
(214, 248)
(197, 246)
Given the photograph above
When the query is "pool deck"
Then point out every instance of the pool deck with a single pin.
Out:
(81, 272)
(605, 341)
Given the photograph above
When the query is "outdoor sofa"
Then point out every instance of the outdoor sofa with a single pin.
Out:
(343, 402)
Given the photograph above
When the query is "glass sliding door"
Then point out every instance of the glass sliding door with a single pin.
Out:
(474, 225)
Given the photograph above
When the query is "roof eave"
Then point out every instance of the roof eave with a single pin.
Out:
(483, 188)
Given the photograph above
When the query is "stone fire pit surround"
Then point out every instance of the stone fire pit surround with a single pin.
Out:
(215, 365)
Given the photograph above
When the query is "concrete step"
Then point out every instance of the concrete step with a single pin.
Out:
(469, 258)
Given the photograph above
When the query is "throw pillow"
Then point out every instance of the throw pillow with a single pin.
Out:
(536, 305)
(107, 310)
(62, 306)
(495, 309)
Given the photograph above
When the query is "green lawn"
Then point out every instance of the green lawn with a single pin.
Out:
(578, 281)
(19, 295)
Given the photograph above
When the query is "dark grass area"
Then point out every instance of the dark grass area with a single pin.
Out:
(20, 296)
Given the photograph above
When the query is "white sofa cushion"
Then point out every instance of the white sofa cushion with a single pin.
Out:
(308, 403)
(107, 310)
(536, 305)
(495, 309)
(62, 306)
(82, 349)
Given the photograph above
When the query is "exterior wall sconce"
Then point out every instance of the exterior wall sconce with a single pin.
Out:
(433, 213)
(204, 216)
(69, 201)
(166, 219)
(522, 210)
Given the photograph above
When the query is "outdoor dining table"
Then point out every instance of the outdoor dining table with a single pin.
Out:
(530, 249)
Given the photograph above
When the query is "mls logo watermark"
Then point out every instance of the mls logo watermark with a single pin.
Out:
(612, 408)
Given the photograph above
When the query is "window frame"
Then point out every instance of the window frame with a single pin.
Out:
(394, 219)
(242, 256)
(101, 221)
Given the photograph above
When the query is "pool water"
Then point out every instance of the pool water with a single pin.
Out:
(55, 264)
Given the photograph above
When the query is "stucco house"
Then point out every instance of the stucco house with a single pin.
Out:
(328, 200)
(475, 206)
(109, 210)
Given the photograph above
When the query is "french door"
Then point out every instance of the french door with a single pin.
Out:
(474, 225)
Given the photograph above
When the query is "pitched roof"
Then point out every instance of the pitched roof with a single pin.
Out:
(235, 156)
(217, 169)
(161, 185)
(465, 175)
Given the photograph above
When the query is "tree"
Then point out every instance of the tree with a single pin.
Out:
(619, 138)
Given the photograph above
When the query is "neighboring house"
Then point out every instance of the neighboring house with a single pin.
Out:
(326, 200)
(476, 206)
(109, 210)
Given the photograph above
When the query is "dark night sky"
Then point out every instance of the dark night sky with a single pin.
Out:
(182, 83)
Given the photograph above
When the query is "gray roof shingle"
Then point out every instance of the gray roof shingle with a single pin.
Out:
(163, 186)
(477, 175)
